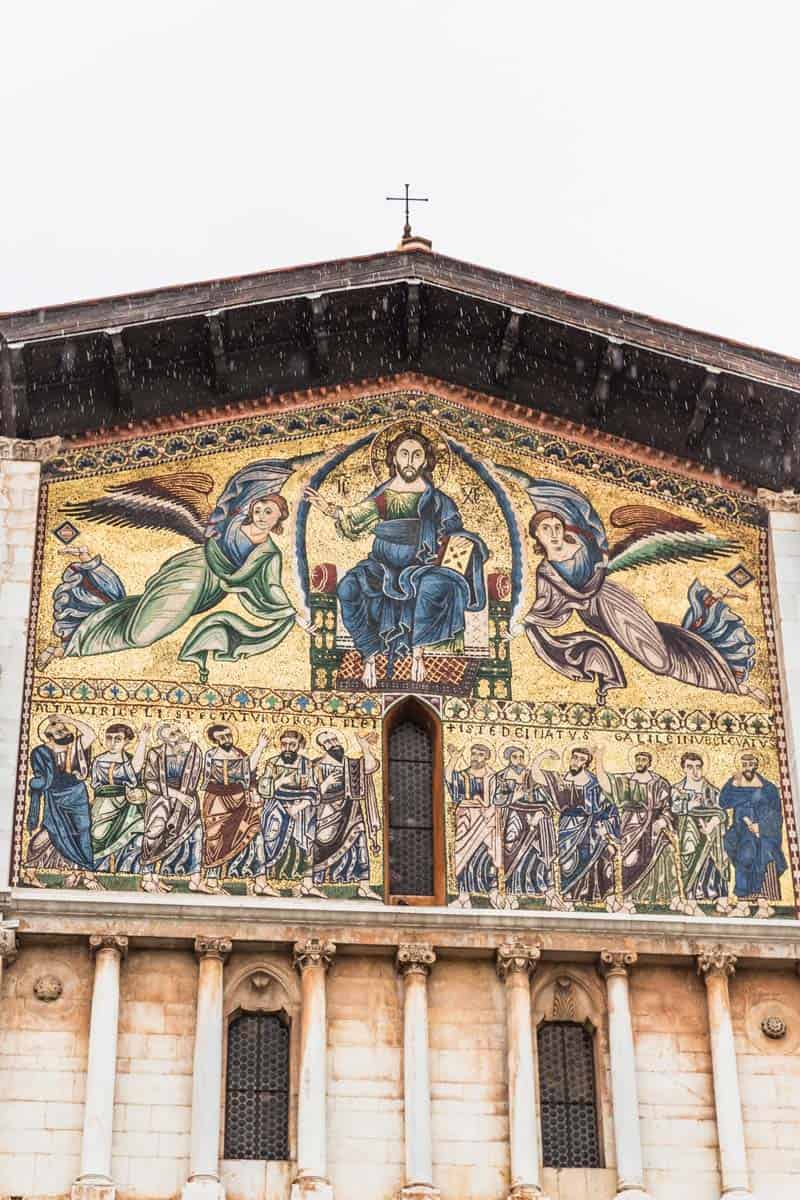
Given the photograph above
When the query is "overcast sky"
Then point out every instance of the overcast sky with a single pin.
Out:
(641, 153)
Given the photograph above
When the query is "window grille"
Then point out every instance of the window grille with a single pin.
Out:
(567, 1095)
(257, 1087)
(411, 854)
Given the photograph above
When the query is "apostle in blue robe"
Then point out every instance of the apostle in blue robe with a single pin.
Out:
(753, 841)
(59, 817)
(424, 570)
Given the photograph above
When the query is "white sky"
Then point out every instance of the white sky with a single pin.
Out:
(641, 153)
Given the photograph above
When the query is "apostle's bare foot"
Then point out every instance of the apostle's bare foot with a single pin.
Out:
(92, 883)
(556, 902)
(761, 697)
(260, 887)
(308, 891)
(724, 905)
(764, 909)
(365, 892)
(73, 880)
(150, 884)
(742, 909)
(462, 901)
(496, 900)
(417, 666)
(28, 878)
(51, 651)
(369, 676)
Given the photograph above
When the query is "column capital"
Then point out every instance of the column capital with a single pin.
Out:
(786, 501)
(414, 958)
(513, 957)
(715, 960)
(313, 952)
(8, 943)
(29, 450)
(108, 941)
(616, 962)
(212, 947)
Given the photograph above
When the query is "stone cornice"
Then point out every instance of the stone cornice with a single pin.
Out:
(158, 920)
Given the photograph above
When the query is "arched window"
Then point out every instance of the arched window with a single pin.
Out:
(567, 1095)
(413, 805)
(257, 1087)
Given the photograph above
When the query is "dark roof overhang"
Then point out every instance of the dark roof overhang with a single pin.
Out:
(82, 368)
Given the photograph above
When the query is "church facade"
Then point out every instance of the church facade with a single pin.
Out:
(398, 793)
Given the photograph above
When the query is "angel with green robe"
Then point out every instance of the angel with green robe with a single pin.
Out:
(233, 553)
(711, 647)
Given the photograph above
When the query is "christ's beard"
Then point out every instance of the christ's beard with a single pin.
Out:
(337, 753)
(409, 474)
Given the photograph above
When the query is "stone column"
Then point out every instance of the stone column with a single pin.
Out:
(94, 1181)
(413, 964)
(715, 964)
(204, 1182)
(614, 965)
(8, 952)
(516, 963)
(312, 959)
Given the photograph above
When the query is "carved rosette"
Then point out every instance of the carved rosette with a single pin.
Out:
(517, 957)
(212, 947)
(48, 988)
(8, 944)
(616, 962)
(715, 960)
(313, 952)
(108, 941)
(33, 450)
(414, 958)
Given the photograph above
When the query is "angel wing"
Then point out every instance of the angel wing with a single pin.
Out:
(654, 535)
(178, 502)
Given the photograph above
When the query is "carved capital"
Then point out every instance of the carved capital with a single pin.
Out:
(212, 947)
(715, 960)
(788, 501)
(616, 962)
(8, 944)
(514, 957)
(415, 958)
(25, 450)
(313, 952)
(108, 941)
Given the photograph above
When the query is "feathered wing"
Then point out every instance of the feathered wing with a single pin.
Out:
(654, 535)
(178, 502)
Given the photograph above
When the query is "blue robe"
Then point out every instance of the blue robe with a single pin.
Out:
(752, 853)
(60, 804)
(399, 597)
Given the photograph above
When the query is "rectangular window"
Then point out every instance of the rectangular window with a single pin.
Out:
(567, 1095)
(257, 1087)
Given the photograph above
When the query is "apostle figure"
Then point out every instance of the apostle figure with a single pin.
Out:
(117, 812)
(290, 798)
(59, 815)
(588, 828)
(173, 837)
(753, 841)
(479, 841)
(347, 813)
(528, 832)
(424, 570)
(700, 823)
(229, 813)
(648, 836)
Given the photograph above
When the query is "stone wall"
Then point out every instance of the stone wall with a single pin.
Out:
(784, 528)
(19, 490)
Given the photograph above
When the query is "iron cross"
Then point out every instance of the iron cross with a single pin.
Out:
(408, 200)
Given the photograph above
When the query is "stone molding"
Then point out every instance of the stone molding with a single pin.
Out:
(29, 450)
(514, 957)
(786, 501)
(108, 941)
(616, 962)
(715, 960)
(313, 952)
(414, 958)
(212, 947)
(8, 944)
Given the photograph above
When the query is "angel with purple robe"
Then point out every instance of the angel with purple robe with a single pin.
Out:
(711, 648)
(234, 553)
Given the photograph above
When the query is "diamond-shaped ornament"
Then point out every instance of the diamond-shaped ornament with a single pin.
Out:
(740, 576)
(66, 532)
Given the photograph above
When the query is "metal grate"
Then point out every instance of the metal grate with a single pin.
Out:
(567, 1096)
(410, 810)
(257, 1088)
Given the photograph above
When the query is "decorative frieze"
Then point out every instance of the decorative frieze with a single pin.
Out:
(29, 450)
(786, 501)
